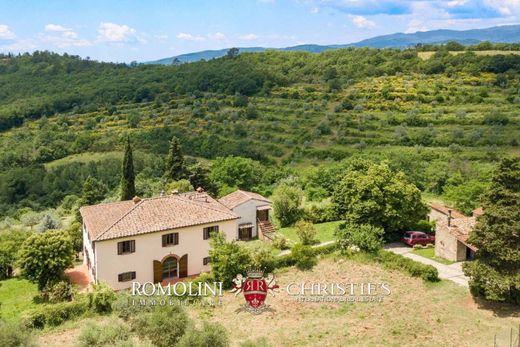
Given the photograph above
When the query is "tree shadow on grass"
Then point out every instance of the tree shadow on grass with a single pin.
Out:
(499, 309)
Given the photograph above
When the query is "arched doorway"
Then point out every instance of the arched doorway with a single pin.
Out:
(170, 268)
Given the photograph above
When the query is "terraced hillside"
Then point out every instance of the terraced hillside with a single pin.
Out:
(450, 113)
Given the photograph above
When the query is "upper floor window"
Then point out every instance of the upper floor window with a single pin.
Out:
(207, 231)
(170, 239)
(126, 276)
(126, 247)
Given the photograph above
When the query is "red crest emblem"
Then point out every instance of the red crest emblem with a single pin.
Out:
(255, 288)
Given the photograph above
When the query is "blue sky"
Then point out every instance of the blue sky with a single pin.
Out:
(142, 30)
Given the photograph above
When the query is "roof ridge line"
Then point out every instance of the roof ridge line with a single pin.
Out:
(209, 207)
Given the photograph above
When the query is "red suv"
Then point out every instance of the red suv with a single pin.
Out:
(412, 238)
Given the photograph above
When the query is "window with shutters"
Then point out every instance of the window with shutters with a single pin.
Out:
(170, 239)
(206, 260)
(208, 231)
(126, 276)
(126, 247)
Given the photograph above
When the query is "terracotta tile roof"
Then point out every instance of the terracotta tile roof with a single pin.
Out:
(460, 228)
(98, 218)
(152, 215)
(444, 210)
(239, 197)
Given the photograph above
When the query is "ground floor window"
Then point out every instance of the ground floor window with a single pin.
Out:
(245, 233)
(126, 276)
(169, 268)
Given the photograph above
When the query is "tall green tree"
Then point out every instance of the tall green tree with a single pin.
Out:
(128, 175)
(373, 194)
(93, 191)
(495, 273)
(44, 256)
(175, 169)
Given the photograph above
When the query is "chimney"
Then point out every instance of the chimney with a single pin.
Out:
(449, 218)
(136, 200)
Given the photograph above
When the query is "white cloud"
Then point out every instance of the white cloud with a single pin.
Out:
(189, 37)
(6, 33)
(217, 36)
(19, 46)
(505, 7)
(62, 37)
(362, 22)
(116, 33)
(248, 37)
(314, 10)
(56, 28)
(415, 25)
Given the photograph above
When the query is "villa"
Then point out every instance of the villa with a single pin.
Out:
(167, 237)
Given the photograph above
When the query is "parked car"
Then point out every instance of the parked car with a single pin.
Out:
(412, 238)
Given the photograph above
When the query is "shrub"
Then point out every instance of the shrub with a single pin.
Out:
(415, 269)
(58, 292)
(303, 257)
(102, 297)
(287, 201)
(320, 213)
(425, 226)
(107, 334)
(227, 259)
(280, 242)
(211, 335)
(306, 232)
(366, 237)
(261, 342)
(263, 258)
(125, 310)
(55, 314)
(162, 327)
(14, 335)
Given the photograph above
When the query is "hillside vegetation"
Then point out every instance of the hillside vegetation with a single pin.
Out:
(444, 120)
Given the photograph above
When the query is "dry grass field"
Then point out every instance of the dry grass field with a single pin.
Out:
(415, 314)
(428, 55)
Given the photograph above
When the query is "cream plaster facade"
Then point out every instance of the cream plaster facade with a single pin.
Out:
(106, 264)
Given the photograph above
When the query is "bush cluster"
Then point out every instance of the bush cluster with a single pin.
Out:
(55, 314)
(15, 335)
(398, 262)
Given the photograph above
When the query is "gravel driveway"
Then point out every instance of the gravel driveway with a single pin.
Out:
(452, 272)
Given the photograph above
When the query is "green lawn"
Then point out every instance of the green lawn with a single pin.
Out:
(16, 296)
(430, 253)
(325, 231)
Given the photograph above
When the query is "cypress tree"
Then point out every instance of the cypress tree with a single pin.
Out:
(128, 176)
(175, 169)
(495, 272)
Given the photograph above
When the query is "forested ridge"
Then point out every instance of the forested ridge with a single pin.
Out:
(444, 121)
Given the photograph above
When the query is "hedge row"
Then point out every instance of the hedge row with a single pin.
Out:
(398, 262)
(55, 314)
(288, 259)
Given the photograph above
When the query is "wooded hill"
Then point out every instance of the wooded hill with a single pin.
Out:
(446, 117)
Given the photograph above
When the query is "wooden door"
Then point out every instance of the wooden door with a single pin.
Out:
(183, 266)
(157, 271)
